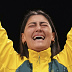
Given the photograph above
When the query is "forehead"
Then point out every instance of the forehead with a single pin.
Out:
(37, 18)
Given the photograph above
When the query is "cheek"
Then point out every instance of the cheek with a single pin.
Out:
(49, 36)
(48, 29)
(49, 32)
(28, 34)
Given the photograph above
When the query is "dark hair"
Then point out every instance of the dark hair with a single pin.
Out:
(55, 47)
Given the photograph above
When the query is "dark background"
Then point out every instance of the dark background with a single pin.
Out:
(12, 13)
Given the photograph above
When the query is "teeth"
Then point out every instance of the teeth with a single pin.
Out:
(38, 37)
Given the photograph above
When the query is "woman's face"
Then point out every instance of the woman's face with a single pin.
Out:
(38, 33)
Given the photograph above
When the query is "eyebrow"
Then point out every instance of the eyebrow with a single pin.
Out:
(32, 23)
(43, 22)
(35, 22)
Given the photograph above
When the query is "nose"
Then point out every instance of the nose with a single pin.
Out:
(38, 28)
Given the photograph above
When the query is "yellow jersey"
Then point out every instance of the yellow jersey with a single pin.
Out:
(10, 60)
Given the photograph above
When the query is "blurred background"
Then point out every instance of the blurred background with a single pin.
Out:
(12, 13)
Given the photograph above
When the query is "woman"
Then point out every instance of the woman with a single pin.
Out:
(39, 47)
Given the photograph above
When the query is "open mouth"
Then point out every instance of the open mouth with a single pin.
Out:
(38, 37)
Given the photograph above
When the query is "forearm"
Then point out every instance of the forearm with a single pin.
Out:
(68, 47)
(6, 45)
(69, 39)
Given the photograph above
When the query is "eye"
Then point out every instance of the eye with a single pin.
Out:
(44, 25)
(32, 25)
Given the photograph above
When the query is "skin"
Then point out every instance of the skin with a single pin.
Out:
(38, 25)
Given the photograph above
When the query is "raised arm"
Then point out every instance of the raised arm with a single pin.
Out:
(4, 41)
(65, 56)
(7, 53)
(68, 46)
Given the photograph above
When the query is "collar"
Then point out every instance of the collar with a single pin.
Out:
(41, 56)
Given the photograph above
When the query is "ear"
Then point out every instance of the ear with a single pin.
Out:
(23, 38)
(53, 36)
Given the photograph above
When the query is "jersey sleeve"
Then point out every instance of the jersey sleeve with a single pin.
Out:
(7, 52)
(68, 47)
(10, 60)
(65, 56)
